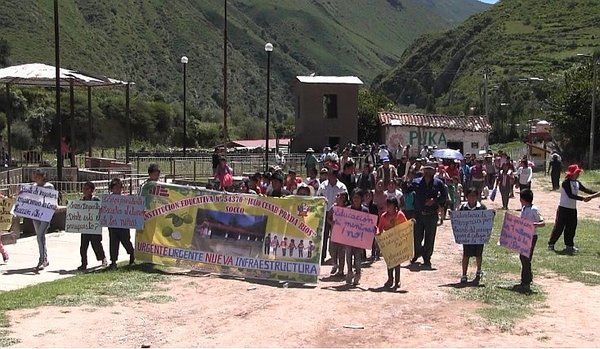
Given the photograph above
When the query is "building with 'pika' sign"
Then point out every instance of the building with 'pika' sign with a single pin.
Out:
(469, 134)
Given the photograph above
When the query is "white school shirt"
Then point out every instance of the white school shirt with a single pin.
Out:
(331, 191)
(525, 174)
(532, 214)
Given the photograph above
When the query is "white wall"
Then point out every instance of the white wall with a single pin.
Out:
(433, 136)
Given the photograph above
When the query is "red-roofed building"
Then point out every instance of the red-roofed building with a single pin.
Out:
(257, 143)
(469, 134)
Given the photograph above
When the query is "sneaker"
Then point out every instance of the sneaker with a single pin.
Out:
(396, 286)
(571, 249)
(112, 266)
(388, 283)
(464, 279)
(427, 265)
(104, 262)
(42, 266)
(131, 259)
(82, 267)
(414, 260)
(334, 270)
(550, 247)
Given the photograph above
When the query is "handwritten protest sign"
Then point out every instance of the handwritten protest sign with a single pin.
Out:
(122, 211)
(353, 228)
(397, 243)
(83, 217)
(517, 234)
(35, 202)
(5, 216)
(472, 227)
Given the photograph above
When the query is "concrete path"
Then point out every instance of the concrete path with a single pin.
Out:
(63, 255)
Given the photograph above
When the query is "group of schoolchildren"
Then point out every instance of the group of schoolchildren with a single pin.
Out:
(285, 248)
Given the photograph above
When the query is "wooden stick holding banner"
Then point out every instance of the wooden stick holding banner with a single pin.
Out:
(122, 211)
(36, 203)
(5, 216)
(83, 216)
(353, 228)
(472, 227)
(517, 234)
(397, 243)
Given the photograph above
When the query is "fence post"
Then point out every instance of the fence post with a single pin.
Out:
(130, 185)
(137, 160)
(115, 153)
(194, 170)
(8, 177)
(102, 152)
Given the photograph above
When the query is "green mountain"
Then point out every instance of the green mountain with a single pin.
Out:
(143, 40)
(525, 44)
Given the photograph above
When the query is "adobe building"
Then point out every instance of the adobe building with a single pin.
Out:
(326, 111)
(469, 134)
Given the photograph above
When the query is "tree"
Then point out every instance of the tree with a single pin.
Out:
(4, 53)
(369, 104)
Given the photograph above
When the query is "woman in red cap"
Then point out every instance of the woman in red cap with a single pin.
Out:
(566, 214)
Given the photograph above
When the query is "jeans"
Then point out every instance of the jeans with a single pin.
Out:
(566, 220)
(425, 230)
(41, 228)
(526, 273)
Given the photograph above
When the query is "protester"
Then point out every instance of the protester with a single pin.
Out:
(504, 183)
(347, 176)
(532, 214)
(224, 174)
(254, 183)
(389, 219)
(366, 179)
(469, 251)
(524, 175)
(355, 252)
(119, 235)
(304, 190)
(337, 251)
(383, 153)
(280, 159)
(245, 187)
(310, 162)
(386, 172)
(393, 191)
(407, 201)
(277, 190)
(430, 194)
(94, 239)
(329, 189)
(477, 173)
(554, 169)
(3, 251)
(40, 227)
(566, 214)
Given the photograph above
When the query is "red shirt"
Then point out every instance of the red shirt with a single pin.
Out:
(387, 221)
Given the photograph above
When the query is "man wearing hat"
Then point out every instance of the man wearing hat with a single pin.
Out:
(310, 161)
(386, 172)
(430, 195)
(566, 214)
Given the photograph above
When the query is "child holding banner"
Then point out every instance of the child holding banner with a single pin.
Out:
(355, 252)
(531, 213)
(41, 227)
(94, 239)
(119, 235)
(389, 219)
(469, 251)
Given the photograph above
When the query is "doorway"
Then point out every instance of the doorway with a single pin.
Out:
(456, 146)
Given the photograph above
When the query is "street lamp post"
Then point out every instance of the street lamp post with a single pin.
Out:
(184, 61)
(59, 155)
(269, 49)
(594, 59)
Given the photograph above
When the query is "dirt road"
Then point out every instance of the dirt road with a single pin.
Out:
(213, 311)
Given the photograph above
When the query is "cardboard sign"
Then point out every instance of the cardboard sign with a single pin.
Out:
(5, 216)
(472, 227)
(397, 243)
(517, 234)
(353, 228)
(36, 203)
(122, 211)
(83, 216)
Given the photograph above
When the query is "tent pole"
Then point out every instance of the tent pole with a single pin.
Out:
(8, 122)
(90, 135)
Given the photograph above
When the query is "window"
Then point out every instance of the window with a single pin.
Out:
(474, 145)
(330, 108)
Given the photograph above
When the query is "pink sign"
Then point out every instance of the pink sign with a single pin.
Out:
(517, 234)
(353, 228)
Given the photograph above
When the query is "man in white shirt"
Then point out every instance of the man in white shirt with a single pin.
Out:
(383, 152)
(525, 174)
(329, 189)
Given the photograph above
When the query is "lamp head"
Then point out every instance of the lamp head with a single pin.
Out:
(269, 47)
(184, 60)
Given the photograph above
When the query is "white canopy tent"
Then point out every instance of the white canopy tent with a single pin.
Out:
(43, 75)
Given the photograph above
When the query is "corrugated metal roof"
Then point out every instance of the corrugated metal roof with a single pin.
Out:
(258, 143)
(351, 80)
(467, 123)
(38, 74)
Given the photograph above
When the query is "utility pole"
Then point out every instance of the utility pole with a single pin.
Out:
(225, 133)
(593, 121)
(486, 72)
(59, 155)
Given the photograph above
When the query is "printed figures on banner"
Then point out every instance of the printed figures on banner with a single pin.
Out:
(5, 216)
(83, 216)
(122, 211)
(397, 243)
(472, 227)
(517, 234)
(36, 203)
(353, 228)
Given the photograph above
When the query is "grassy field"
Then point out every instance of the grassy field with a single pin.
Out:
(99, 288)
(591, 180)
(502, 270)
